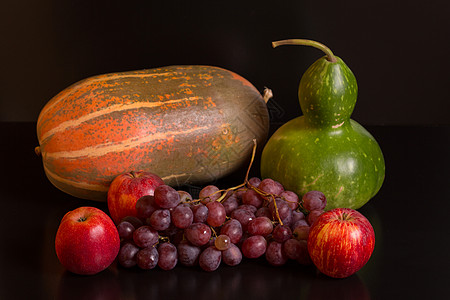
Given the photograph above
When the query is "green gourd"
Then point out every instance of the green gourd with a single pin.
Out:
(325, 149)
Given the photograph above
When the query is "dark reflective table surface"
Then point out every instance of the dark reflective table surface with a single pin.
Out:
(410, 217)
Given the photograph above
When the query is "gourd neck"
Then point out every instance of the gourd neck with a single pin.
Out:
(327, 93)
(328, 89)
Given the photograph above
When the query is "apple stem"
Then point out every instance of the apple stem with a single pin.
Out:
(81, 219)
(345, 217)
(303, 42)
(133, 174)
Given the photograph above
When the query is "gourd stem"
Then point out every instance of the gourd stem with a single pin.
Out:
(302, 42)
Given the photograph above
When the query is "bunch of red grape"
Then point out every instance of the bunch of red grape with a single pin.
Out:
(258, 219)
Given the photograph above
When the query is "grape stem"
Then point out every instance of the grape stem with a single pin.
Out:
(251, 161)
(192, 201)
(163, 239)
(303, 42)
(260, 192)
(248, 185)
(265, 196)
(213, 231)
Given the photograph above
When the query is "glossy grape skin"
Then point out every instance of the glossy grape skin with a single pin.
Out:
(301, 222)
(125, 230)
(210, 259)
(184, 196)
(271, 186)
(216, 214)
(243, 216)
(260, 226)
(250, 197)
(133, 220)
(248, 207)
(145, 206)
(314, 200)
(230, 204)
(209, 193)
(254, 181)
(287, 220)
(198, 234)
(188, 254)
(254, 246)
(200, 213)
(292, 248)
(304, 257)
(166, 196)
(147, 258)
(127, 255)
(168, 256)
(281, 233)
(264, 212)
(312, 216)
(249, 233)
(284, 211)
(238, 193)
(232, 256)
(283, 208)
(222, 242)
(228, 194)
(297, 215)
(182, 216)
(211, 242)
(275, 255)
(160, 219)
(301, 232)
(291, 199)
(145, 236)
(233, 229)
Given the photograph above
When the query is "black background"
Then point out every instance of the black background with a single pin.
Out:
(398, 50)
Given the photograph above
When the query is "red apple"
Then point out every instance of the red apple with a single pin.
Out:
(87, 241)
(341, 242)
(126, 189)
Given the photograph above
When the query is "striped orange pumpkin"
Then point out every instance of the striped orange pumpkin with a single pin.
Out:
(188, 124)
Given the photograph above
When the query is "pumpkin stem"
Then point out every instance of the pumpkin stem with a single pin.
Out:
(267, 94)
(302, 42)
(37, 150)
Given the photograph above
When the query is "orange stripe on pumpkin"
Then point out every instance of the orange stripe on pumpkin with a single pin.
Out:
(103, 149)
(96, 79)
(111, 109)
